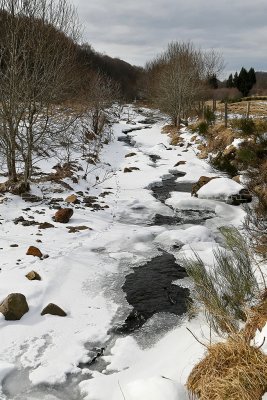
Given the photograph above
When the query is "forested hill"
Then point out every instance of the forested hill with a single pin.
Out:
(82, 61)
(127, 75)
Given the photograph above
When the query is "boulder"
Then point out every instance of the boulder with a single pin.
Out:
(14, 306)
(63, 215)
(53, 309)
(33, 276)
(34, 251)
(71, 199)
(203, 180)
(244, 196)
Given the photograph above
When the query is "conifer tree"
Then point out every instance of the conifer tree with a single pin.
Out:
(229, 82)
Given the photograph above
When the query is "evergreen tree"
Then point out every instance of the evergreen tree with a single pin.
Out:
(229, 82)
(245, 81)
(252, 76)
(213, 81)
(235, 80)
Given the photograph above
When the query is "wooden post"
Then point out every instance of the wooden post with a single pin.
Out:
(248, 109)
(226, 114)
(213, 105)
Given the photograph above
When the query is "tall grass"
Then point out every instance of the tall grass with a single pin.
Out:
(225, 291)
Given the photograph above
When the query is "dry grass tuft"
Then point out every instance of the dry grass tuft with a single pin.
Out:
(233, 370)
(173, 132)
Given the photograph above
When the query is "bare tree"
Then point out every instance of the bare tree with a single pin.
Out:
(177, 78)
(100, 95)
(37, 55)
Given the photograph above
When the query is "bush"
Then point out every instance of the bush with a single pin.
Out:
(224, 163)
(209, 116)
(203, 128)
(247, 156)
(225, 291)
(246, 125)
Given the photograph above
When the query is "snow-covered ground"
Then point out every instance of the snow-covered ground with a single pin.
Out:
(41, 356)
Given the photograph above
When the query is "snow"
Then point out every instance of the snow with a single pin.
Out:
(219, 189)
(85, 271)
(5, 369)
(190, 235)
(171, 359)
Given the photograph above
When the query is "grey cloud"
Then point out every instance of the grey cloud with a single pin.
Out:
(135, 30)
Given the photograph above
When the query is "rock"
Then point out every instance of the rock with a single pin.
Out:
(56, 200)
(180, 163)
(18, 220)
(14, 245)
(230, 151)
(25, 222)
(203, 180)
(63, 215)
(236, 178)
(46, 225)
(131, 169)
(32, 198)
(33, 276)
(75, 229)
(53, 309)
(14, 306)
(89, 200)
(29, 223)
(130, 155)
(242, 197)
(104, 194)
(34, 251)
(71, 199)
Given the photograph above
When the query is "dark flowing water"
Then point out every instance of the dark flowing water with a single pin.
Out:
(150, 290)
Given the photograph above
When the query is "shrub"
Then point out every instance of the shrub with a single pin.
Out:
(225, 291)
(203, 128)
(246, 125)
(247, 156)
(224, 163)
(209, 116)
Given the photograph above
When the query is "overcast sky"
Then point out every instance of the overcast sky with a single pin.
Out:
(137, 30)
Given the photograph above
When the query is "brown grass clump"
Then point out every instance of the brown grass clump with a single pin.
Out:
(220, 138)
(232, 370)
(173, 132)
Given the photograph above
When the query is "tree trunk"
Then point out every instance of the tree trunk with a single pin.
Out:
(248, 110)
(225, 114)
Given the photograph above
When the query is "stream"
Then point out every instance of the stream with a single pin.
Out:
(149, 289)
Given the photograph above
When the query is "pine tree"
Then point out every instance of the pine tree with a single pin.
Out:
(235, 80)
(229, 82)
(213, 81)
(252, 76)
